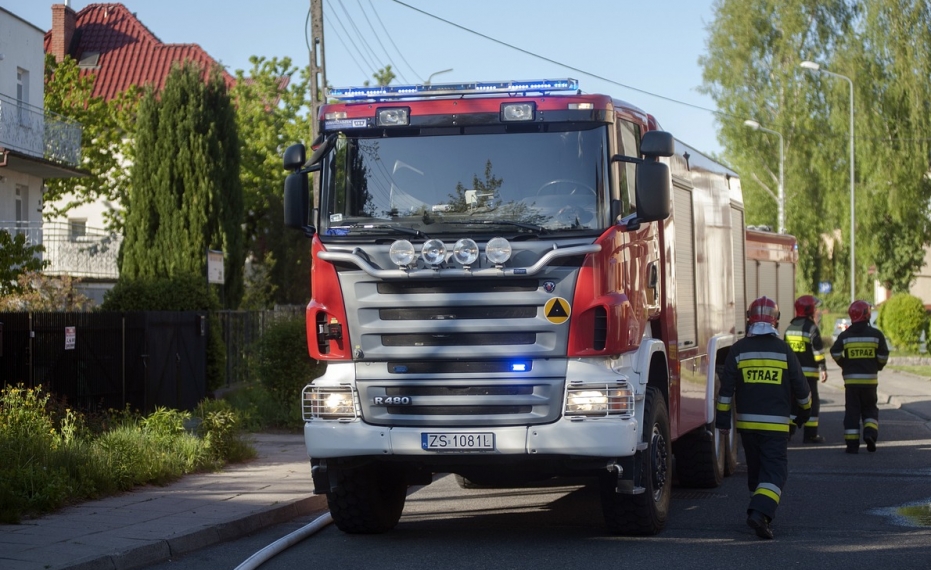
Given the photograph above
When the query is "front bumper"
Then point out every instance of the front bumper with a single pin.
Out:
(601, 437)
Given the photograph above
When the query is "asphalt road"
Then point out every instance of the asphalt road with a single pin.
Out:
(838, 511)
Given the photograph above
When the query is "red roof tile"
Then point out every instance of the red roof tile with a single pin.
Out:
(130, 54)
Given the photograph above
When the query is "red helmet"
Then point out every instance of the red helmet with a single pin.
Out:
(763, 310)
(859, 311)
(805, 306)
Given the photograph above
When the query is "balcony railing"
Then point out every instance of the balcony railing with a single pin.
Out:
(77, 251)
(38, 133)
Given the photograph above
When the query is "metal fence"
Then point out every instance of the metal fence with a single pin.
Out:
(108, 360)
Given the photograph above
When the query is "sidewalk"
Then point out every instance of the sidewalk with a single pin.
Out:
(152, 524)
(899, 389)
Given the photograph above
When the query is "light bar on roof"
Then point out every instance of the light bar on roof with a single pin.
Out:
(439, 89)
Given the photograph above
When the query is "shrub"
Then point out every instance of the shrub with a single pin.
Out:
(281, 362)
(902, 319)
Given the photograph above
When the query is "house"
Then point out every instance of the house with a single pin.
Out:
(118, 51)
(35, 145)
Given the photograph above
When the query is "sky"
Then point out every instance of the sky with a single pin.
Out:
(642, 52)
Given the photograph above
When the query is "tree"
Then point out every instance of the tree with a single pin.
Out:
(271, 111)
(383, 76)
(39, 292)
(752, 71)
(106, 141)
(186, 193)
(16, 258)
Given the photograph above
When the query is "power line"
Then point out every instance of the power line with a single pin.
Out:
(348, 51)
(349, 39)
(560, 64)
(392, 41)
(361, 36)
(374, 33)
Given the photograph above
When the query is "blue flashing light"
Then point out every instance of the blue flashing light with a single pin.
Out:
(519, 367)
(445, 89)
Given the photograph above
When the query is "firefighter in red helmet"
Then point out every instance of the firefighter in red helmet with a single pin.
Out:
(762, 379)
(804, 338)
(861, 352)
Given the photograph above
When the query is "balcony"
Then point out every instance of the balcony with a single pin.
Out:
(75, 250)
(33, 132)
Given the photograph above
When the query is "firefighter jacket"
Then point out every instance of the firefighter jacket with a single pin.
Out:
(763, 376)
(861, 352)
(804, 338)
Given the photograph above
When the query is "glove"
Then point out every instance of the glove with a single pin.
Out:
(802, 417)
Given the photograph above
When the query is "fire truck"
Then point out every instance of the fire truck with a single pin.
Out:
(513, 281)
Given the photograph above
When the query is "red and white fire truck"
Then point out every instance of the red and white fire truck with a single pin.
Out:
(513, 281)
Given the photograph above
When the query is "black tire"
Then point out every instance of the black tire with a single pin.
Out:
(367, 500)
(730, 459)
(701, 457)
(646, 513)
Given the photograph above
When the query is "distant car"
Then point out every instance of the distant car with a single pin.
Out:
(840, 325)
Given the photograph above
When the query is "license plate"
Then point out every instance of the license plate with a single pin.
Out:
(458, 441)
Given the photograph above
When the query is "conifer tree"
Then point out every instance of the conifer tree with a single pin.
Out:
(186, 193)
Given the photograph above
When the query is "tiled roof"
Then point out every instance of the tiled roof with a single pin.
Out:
(129, 53)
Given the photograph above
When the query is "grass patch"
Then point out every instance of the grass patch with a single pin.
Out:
(51, 456)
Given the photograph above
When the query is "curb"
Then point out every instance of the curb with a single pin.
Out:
(164, 550)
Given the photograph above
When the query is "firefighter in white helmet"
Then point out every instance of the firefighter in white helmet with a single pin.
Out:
(764, 377)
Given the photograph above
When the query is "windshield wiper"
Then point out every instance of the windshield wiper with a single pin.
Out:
(522, 225)
(344, 230)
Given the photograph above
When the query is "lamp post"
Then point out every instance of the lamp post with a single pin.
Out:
(816, 68)
(782, 194)
(429, 79)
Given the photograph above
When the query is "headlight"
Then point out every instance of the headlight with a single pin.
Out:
(402, 253)
(465, 252)
(328, 403)
(498, 250)
(599, 400)
(434, 252)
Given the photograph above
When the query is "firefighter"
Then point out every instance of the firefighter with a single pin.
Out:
(804, 338)
(861, 352)
(763, 376)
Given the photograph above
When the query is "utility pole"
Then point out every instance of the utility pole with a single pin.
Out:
(317, 63)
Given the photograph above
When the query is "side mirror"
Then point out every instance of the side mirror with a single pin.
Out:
(657, 143)
(296, 199)
(294, 157)
(654, 186)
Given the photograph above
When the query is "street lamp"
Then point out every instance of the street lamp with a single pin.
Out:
(782, 194)
(816, 68)
(429, 79)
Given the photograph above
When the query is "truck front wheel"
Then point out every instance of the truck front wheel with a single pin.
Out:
(644, 513)
(367, 500)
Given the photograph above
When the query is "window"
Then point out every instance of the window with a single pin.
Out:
(77, 228)
(22, 94)
(628, 144)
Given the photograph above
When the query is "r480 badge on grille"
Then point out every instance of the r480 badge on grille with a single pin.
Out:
(392, 400)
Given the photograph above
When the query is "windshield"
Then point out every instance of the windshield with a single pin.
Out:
(527, 182)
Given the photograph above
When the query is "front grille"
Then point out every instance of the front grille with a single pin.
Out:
(461, 402)
(461, 286)
(456, 313)
(458, 339)
(458, 391)
(460, 410)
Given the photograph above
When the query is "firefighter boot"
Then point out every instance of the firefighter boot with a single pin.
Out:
(811, 435)
(760, 524)
(853, 447)
(870, 442)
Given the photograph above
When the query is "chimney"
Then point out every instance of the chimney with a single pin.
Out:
(63, 20)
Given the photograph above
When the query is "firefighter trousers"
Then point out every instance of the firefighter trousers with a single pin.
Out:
(767, 469)
(811, 426)
(860, 404)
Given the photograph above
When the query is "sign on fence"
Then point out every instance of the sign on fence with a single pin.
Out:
(215, 267)
(70, 334)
